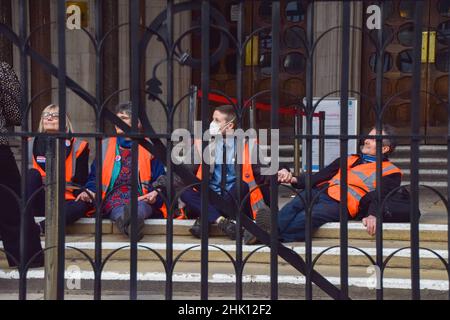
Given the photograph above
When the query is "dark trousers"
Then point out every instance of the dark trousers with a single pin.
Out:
(192, 199)
(74, 210)
(10, 214)
(291, 218)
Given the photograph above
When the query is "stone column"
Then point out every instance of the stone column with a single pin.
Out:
(327, 64)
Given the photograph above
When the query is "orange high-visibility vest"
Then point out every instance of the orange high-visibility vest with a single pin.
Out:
(256, 196)
(109, 157)
(78, 146)
(361, 179)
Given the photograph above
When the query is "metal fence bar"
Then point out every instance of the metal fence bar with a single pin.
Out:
(415, 152)
(61, 184)
(205, 74)
(297, 142)
(309, 142)
(344, 148)
(274, 125)
(448, 170)
(321, 140)
(378, 125)
(238, 167)
(136, 105)
(98, 148)
(24, 142)
(170, 119)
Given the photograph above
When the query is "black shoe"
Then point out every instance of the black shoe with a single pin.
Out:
(263, 221)
(195, 230)
(263, 218)
(250, 239)
(140, 229)
(123, 223)
(120, 224)
(227, 227)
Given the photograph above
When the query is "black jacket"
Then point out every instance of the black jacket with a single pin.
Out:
(368, 204)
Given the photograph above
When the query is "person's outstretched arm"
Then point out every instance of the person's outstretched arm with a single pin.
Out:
(323, 175)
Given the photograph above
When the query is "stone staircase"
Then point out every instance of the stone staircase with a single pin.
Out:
(256, 279)
(432, 165)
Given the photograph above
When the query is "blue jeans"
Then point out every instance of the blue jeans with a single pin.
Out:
(291, 218)
(144, 211)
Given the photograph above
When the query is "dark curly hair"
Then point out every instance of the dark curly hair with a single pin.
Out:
(391, 141)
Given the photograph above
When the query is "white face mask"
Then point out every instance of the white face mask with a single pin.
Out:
(214, 128)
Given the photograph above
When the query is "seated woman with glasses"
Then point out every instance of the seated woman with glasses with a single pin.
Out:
(77, 167)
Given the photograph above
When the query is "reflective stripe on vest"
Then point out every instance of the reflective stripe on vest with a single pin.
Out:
(352, 191)
(371, 179)
(256, 196)
(361, 179)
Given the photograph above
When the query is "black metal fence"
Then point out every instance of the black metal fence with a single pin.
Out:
(161, 146)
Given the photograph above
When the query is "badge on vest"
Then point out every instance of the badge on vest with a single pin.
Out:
(40, 159)
(118, 158)
(68, 143)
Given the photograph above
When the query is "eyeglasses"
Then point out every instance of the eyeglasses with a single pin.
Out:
(48, 115)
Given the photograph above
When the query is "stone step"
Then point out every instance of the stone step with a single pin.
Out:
(427, 175)
(425, 151)
(433, 164)
(222, 280)
(434, 184)
(188, 249)
(425, 193)
(423, 161)
(436, 231)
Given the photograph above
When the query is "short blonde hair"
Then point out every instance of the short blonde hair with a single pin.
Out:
(54, 107)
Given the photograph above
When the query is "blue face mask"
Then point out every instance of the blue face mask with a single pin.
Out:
(369, 158)
(124, 143)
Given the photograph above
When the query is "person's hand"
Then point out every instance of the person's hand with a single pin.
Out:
(370, 222)
(86, 196)
(284, 176)
(150, 197)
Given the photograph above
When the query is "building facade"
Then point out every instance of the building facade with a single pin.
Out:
(397, 66)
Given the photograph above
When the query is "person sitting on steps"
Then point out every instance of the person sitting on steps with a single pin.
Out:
(361, 173)
(223, 177)
(116, 180)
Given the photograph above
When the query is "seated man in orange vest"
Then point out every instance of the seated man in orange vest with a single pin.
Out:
(116, 180)
(223, 124)
(361, 173)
